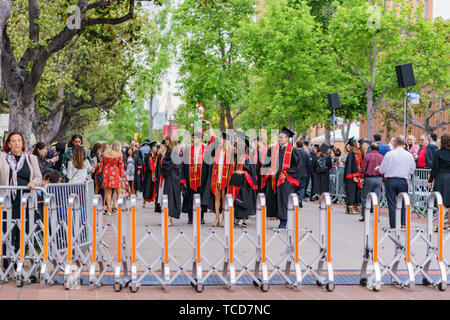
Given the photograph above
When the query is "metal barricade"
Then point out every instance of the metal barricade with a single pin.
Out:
(7, 251)
(244, 267)
(325, 243)
(260, 264)
(121, 275)
(138, 258)
(401, 239)
(371, 247)
(229, 270)
(29, 239)
(293, 241)
(419, 191)
(62, 193)
(100, 255)
(337, 188)
(434, 251)
(27, 257)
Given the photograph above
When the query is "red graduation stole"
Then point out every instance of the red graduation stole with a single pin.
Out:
(215, 173)
(234, 190)
(195, 171)
(152, 168)
(286, 163)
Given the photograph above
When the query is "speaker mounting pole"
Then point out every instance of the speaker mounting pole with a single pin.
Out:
(334, 119)
(404, 112)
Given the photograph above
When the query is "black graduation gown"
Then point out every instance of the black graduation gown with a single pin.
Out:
(171, 173)
(352, 190)
(149, 183)
(188, 194)
(208, 199)
(277, 203)
(313, 159)
(158, 182)
(138, 166)
(247, 194)
(322, 179)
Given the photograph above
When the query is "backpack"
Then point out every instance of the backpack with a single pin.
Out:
(322, 164)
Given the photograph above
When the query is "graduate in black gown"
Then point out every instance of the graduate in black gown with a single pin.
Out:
(149, 169)
(171, 172)
(161, 150)
(217, 158)
(242, 184)
(193, 177)
(281, 176)
(352, 178)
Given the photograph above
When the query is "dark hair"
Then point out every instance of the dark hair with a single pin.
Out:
(52, 175)
(6, 148)
(61, 147)
(38, 146)
(125, 155)
(299, 143)
(433, 136)
(445, 141)
(374, 146)
(95, 149)
(377, 136)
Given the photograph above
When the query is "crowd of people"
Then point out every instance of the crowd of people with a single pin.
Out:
(368, 164)
(235, 165)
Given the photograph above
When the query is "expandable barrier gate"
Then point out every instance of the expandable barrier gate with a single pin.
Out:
(404, 240)
(53, 246)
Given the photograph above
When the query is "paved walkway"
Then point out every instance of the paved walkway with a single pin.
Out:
(347, 250)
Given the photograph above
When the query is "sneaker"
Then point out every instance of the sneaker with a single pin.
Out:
(189, 221)
(203, 221)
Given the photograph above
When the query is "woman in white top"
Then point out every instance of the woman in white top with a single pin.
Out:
(79, 168)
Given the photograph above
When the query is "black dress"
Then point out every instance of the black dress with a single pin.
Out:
(440, 172)
(352, 189)
(171, 173)
(277, 201)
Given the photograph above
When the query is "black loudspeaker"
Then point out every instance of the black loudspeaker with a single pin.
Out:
(333, 101)
(405, 75)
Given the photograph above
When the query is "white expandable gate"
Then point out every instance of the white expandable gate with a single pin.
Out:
(403, 240)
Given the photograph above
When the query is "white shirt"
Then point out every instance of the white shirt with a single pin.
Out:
(78, 175)
(398, 163)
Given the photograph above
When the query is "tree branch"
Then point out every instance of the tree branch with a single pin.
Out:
(112, 21)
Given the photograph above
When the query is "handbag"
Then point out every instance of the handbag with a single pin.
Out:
(99, 178)
(237, 180)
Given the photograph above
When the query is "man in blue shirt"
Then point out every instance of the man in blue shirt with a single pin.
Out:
(145, 148)
(382, 148)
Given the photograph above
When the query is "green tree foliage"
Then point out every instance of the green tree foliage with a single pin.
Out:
(428, 49)
(212, 68)
(290, 60)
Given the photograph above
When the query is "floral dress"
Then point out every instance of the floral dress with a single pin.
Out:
(113, 171)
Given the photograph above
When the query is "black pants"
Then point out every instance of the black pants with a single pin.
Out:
(371, 184)
(393, 187)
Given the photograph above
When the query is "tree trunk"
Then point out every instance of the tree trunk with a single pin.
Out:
(345, 130)
(5, 12)
(370, 113)
(150, 118)
(229, 117)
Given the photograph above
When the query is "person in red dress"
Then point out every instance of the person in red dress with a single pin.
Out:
(113, 172)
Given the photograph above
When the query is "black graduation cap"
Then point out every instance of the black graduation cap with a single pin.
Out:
(351, 141)
(287, 132)
(225, 136)
(323, 148)
(154, 143)
(147, 141)
(163, 142)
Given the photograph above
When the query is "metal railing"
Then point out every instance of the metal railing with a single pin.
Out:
(418, 190)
